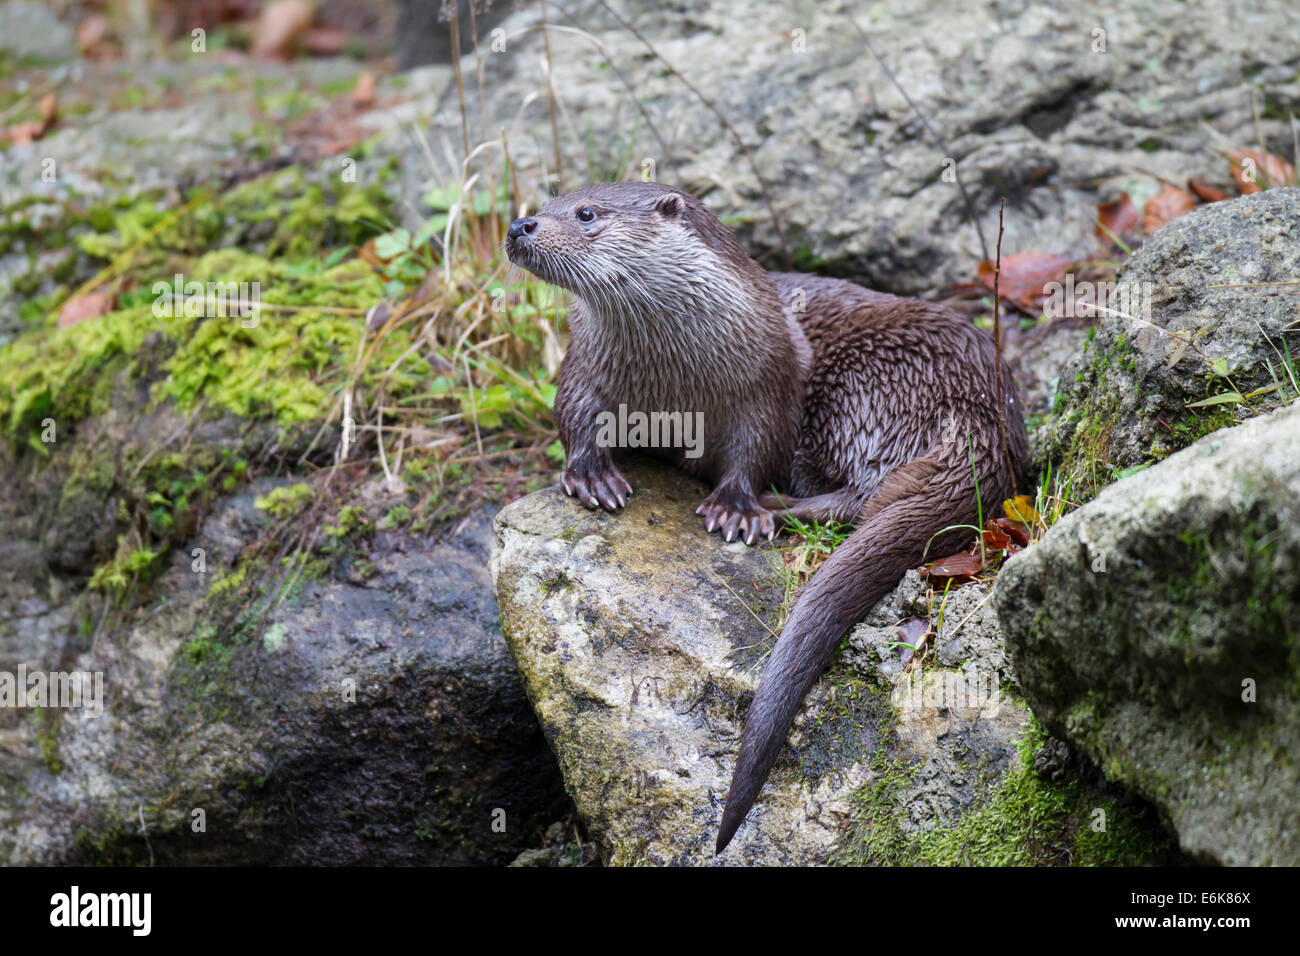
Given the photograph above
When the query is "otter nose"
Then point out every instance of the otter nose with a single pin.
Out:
(524, 226)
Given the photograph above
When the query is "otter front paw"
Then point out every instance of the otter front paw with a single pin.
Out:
(597, 487)
(736, 513)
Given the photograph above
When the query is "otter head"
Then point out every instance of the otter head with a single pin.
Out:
(627, 247)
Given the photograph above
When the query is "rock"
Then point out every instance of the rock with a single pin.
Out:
(34, 30)
(372, 719)
(640, 639)
(1123, 401)
(1051, 105)
(1155, 628)
(422, 36)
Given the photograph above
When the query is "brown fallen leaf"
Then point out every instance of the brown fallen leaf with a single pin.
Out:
(1116, 218)
(363, 94)
(911, 637)
(1255, 171)
(1166, 206)
(82, 307)
(995, 536)
(281, 25)
(32, 130)
(48, 107)
(1206, 191)
(368, 255)
(954, 567)
(1023, 276)
(1018, 531)
(25, 132)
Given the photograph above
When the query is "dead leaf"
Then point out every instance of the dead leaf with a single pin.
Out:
(368, 255)
(1254, 171)
(32, 130)
(954, 567)
(82, 307)
(377, 315)
(25, 132)
(1206, 191)
(1021, 508)
(1023, 276)
(911, 636)
(363, 94)
(49, 109)
(1119, 217)
(281, 25)
(1166, 206)
(1017, 530)
(995, 537)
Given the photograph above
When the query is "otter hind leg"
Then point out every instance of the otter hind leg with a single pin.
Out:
(843, 505)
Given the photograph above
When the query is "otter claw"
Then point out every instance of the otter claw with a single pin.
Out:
(608, 489)
(736, 517)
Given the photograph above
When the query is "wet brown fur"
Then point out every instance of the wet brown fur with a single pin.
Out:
(859, 406)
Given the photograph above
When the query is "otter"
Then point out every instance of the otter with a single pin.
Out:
(821, 400)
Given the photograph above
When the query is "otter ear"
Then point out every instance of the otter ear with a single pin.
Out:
(669, 206)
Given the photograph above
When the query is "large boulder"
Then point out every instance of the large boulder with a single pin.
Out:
(1157, 628)
(1046, 104)
(366, 717)
(641, 639)
(33, 31)
(1209, 309)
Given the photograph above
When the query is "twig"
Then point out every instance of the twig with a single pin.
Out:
(453, 25)
(144, 832)
(622, 78)
(970, 207)
(550, 95)
(997, 356)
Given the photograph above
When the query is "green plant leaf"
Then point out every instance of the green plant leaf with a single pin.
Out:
(1224, 399)
(393, 244)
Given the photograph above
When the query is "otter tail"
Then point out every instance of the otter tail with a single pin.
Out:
(913, 503)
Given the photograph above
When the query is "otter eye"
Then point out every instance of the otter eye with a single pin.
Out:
(585, 214)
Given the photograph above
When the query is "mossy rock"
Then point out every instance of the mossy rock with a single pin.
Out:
(1157, 628)
(1202, 324)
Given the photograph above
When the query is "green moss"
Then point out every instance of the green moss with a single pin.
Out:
(125, 568)
(1019, 820)
(395, 517)
(114, 846)
(47, 721)
(853, 720)
(285, 501)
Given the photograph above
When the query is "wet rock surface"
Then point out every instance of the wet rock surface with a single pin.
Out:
(641, 638)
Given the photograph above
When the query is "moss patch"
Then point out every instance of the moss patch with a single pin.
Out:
(1021, 820)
